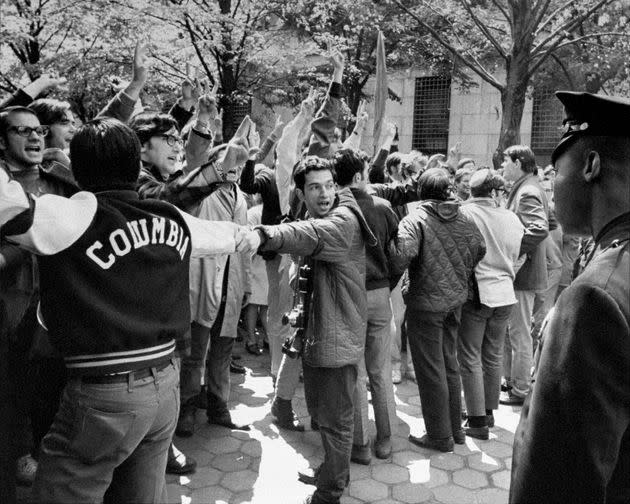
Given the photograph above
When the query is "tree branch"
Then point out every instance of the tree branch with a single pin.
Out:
(500, 7)
(484, 30)
(564, 70)
(579, 39)
(473, 65)
(197, 49)
(551, 16)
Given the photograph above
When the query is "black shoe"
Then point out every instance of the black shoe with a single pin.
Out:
(253, 349)
(511, 399)
(314, 424)
(178, 463)
(225, 420)
(443, 445)
(308, 478)
(459, 437)
(477, 432)
(201, 400)
(285, 416)
(236, 368)
(490, 421)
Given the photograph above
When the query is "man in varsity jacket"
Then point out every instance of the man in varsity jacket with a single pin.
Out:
(114, 297)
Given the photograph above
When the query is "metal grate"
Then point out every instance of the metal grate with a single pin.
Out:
(431, 111)
(242, 108)
(547, 118)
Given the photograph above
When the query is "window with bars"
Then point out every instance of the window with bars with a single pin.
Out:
(431, 111)
(547, 118)
(242, 108)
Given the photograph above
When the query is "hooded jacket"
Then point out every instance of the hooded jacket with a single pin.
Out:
(441, 246)
(335, 335)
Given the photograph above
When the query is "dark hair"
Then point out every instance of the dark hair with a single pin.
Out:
(50, 111)
(525, 155)
(4, 117)
(459, 174)
(105, 155)
(147, 125)
(492, 181)
(435, 184)
(464, 161)
(393, 160)
(347, 163)
(307, 165)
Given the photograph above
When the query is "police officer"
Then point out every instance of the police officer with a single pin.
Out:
(573, 441)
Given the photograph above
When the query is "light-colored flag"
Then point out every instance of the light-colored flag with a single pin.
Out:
(380, 90)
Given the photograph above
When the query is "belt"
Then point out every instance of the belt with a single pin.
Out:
(139, 374)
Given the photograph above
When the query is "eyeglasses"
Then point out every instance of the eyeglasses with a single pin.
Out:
(26, 131)
(171, 140)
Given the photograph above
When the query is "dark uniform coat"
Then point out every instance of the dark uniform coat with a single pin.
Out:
(573, 441)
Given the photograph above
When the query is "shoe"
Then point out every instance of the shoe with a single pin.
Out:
(225, 420)
(253, 349)
(309, 478)
(26, 469)
(383, 448)
(477, 432)
(236, 368)
(443, 445)
(411, 375)
(505, 387)
(396, 377)
(314, 425)
(285, 416)
(511, 399)
(490, 419)
(201, 400)
(178, 463)
(459, 437)
(361, 454)
(186, 421)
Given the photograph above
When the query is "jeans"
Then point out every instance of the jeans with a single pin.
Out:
(518, 357)
(480, 352)
(328, 393)
(110, 435)
(398, 319)
(433, 340)
(376, 365)
(280, 301)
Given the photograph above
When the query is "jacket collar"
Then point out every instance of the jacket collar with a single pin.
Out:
(618, 226)
(486, 202)
(530, 177)
(345, 198)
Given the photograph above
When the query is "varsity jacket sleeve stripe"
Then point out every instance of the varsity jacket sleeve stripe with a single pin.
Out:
(44, 225)
(210, 237)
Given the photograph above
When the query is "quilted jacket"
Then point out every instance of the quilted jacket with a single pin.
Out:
(335, 335)
(441, 246)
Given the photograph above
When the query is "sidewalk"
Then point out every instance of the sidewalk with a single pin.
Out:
(260, 466)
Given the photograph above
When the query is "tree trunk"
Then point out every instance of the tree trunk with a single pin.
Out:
(512, 105)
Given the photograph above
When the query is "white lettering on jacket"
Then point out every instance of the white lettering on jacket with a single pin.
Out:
(138, 234)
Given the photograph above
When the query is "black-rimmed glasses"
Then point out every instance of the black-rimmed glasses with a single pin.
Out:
(171, 140)
(26, 131)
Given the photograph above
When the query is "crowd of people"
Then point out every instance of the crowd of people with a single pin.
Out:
(138, 246)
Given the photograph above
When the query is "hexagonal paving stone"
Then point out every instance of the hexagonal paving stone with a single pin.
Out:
(388, 501)
(470, 479)
(492, 496)
(504, 436)
(175, 492)
(447, 461)
(239, 481)
(483, 462)
(390, 474)
(453, 494)
(346, 499)
(358, 472)
(240, 435)
(411, 493)
(407, 457)
(205, 476)
(214, 494)
(252, 448)
(225, 444)
(243, 498)
(496, 449)
(230, 462)
(367, 490)
(501, 479)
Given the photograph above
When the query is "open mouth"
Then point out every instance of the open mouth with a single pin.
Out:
(33, 148)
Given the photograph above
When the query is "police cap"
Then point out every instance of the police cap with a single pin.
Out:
(591, 115)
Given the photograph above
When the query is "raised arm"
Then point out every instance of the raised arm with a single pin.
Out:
(326, 119)
(121, 106)
(377, 168)
(354, 139)
(23, 97)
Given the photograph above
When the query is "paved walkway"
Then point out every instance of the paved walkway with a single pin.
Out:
(260, 466)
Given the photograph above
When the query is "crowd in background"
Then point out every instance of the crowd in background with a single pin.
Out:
(458, 265)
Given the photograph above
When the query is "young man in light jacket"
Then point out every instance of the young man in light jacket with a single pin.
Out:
(485, 317)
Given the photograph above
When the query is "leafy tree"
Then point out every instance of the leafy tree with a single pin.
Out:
(507, 42)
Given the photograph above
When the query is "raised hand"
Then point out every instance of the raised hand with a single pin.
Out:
(253, 140)
(308, 105)
(218, 121)
(141, 63)
(43, 83)
(362, 115)
(278, 127)
(337, 59)
(206, 107)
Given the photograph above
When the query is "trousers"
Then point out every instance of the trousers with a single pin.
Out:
(376, 366)
(328, 393)
(433, 340)
(519, 351)
(110, 441)
(480, 354)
